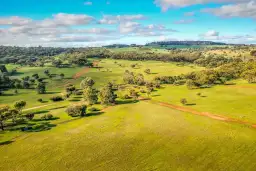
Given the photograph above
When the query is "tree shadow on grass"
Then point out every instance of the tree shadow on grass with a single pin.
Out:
(75, 100)
(191, 104)
(7, 94)
(41, 112)
(6, 142)
(52, 92)
(42, 120)
(17, 73)
(94, 114)
(43, 126)
(230, 83)
(122, 102)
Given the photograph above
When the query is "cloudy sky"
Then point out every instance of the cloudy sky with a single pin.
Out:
(100, 22)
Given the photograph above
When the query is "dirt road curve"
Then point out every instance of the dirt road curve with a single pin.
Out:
(206, 114)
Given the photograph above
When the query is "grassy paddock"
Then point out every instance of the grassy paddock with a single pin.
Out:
(133, 136)
(140, 136)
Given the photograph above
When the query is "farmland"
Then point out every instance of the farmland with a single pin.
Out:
(165, 125)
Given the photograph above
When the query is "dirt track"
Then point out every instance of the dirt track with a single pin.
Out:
(79, 74)
(206, 114)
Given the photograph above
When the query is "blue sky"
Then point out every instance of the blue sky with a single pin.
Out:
(101, 22)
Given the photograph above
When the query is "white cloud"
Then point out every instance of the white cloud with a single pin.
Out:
(136, 29)
(233, 39)
(71, 19)
(210, 35)
(115, 19)
(166, 4)
(245, 10)
(128, 27)
(15, 20)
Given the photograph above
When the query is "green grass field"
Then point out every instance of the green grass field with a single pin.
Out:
(140, 136)
(134, 135)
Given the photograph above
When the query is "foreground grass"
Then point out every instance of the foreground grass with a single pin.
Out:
(137, 136)
(236, 101)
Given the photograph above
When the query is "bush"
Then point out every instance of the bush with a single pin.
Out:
(30, 116)
(56, 98)
(183, 101)
(47, 117)
(40, 100)
(125, 97)
(76, 110)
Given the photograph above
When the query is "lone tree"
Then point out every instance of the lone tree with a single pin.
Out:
(87, 82)
(107, 95)
(183, 101)
(76, 110)
(35, 76)
(70, 88)
(4, 115)
(19, 105)
(90, 95)
(62, 75)
(41, 88)
(47, 72)
(147, 71)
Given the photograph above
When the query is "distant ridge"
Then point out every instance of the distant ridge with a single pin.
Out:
(188, 43)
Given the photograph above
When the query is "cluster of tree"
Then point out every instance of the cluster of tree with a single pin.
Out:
(215, 61)
(177, 80)
(209, 77)
(13, 114)
(174, 56)
(28, 82)
(253, 53)
(188, 43)
(30, 51)
(91, 95)
(235, 70)
(131, 78)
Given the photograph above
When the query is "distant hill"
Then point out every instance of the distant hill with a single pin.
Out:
(117, 46)
(187, 43)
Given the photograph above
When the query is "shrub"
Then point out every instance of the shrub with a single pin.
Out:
(30, 116)
(147, 71)
(76, 110)
(183, 101)
(56, 98)
(125, 97)
(47, 117)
